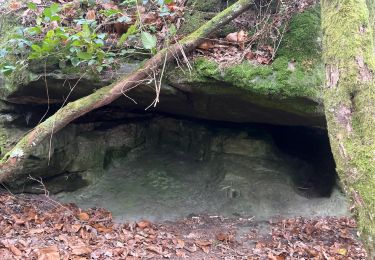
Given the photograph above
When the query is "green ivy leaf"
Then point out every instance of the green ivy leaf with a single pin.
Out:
(172, 30)
(75, 61)
(148, 40)
(34, 30)
(50, 34)
(84, 55)
(31, 6)
(54, 8)
(86, 31)
(7, 69)
(36, 48)
(131, 30)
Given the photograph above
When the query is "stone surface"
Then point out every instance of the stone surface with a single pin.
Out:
(240, 93)
(189, 168)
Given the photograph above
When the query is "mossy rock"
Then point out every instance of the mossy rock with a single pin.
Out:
(302, 40)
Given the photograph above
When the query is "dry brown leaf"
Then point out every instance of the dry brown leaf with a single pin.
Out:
(91, 15)
(180, 253)
(232, 37)
(81, 250)
(58, 226)
(250, 55)
(75, 228)
(205, 249)
(36, 231)
(102, 228)
(191, 249)
(206, 45)
(149, 17)
(221, 237)
(49, 253)
(144, 224)
(203, 243)
(155, 249)
(15, 250)
(241, 36)
(180, 244)
(83, 216)
(15, 5)
(275, 257)
(109, 5)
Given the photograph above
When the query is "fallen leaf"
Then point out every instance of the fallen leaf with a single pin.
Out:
(109, 5)
(221, 237)
(180, 253)
(15, 250)
(342, 251)
(275, 257)
(14, 5)
(90, 15)
(48, 253)
(75, 228)
(144, 224)
(36, 231)
(206, 45)
(83, 216)
(81, 250)
(155, 249)
(250, 55)
(232, 37)
(191, 249)
(203, 242)
(180, 244)
(59, 226)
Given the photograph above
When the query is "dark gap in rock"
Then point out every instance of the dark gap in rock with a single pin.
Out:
(162, 167)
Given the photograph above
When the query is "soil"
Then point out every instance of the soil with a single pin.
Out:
(37, 227)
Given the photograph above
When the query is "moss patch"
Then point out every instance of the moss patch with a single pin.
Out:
(276, 79)
(301, 41)
(205, 6)
(193, 20)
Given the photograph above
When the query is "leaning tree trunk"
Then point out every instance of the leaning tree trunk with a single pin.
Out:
(12, 163)
(349, 99)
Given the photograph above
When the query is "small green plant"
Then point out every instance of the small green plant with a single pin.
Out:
(81, 41)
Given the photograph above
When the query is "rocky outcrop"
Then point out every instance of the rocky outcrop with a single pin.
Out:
(287, 92)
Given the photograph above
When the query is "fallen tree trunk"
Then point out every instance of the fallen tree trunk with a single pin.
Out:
(349, 100)
(12, 163)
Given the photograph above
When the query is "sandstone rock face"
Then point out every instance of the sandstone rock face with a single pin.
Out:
(242, 93)
(186, 167)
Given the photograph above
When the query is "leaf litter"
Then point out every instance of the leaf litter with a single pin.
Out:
(36, 227)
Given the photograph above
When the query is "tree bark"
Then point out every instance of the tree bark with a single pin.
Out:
(349, 99)
(12, 163)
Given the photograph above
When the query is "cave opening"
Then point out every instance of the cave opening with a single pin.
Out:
(182, 166)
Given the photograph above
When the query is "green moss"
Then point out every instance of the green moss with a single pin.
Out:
(301, 40)
(276, 79)
(205, 6)
(199, 12)
(3, 140)
(348, 37)
(193, 20)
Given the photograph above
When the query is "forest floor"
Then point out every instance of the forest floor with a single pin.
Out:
(37, 227)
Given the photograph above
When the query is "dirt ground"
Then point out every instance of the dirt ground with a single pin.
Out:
(37, 227)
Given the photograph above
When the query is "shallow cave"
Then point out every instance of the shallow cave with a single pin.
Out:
(161, 167)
